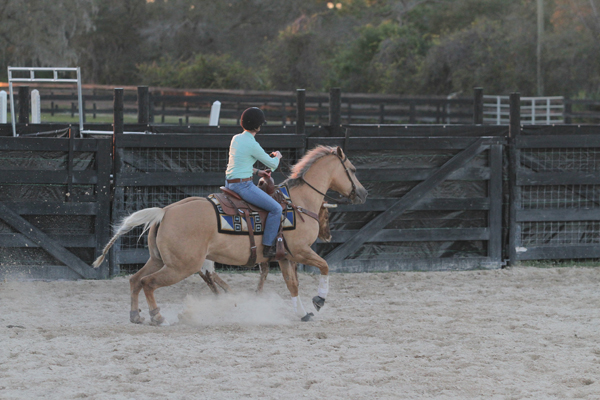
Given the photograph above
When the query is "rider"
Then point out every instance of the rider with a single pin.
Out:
(244, 151)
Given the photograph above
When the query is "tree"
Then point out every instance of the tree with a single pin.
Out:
(382, 59)
(572, 49)
(36, 33)
(110, 51)
(203, 71)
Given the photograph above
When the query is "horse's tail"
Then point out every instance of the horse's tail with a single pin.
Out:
(147, 216)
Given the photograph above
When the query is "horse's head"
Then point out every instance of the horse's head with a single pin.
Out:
(344, 180)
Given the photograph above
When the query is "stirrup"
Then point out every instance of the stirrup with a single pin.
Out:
(269, 251)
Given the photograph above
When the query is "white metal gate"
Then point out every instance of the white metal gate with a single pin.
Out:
(32, 78)
(534, 110)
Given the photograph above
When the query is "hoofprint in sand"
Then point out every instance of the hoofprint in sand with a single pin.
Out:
(514, 333)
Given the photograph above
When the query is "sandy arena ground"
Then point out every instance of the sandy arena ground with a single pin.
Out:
(502, 334)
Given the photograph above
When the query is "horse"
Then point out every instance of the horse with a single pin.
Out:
(183, 234)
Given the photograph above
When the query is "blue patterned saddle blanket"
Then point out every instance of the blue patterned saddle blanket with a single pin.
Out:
(236, 225)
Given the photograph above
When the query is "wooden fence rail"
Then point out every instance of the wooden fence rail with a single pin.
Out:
(168, 106)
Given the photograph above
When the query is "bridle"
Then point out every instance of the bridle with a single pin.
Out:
(350, 198)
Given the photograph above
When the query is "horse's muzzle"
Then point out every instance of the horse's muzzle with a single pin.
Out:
(361, 196)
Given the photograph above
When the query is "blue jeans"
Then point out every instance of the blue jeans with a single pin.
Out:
(252, 194)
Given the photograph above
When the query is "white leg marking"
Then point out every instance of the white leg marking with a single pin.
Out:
(295, 302)
(208, 266)
(323, 286)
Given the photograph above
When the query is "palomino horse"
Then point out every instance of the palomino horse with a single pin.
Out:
(182, 235)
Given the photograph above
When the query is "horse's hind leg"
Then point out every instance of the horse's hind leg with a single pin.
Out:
(210, 277)
(209, 269)
(264, 271)
(217, 279)
(135, 284)
(166, 276)
(209, 282)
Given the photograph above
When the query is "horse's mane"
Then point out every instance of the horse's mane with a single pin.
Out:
(300, 168)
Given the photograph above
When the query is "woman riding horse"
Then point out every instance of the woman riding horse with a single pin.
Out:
(244, 151)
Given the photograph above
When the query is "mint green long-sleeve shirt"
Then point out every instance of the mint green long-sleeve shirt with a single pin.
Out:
(244, 151)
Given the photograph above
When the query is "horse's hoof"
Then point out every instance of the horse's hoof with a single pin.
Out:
(307, 317)
(134, 317)
(318, 302)
(159, 321)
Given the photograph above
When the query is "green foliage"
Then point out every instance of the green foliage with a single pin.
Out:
(110, 51)
(204, 71)
(290, 61)
(443, 17)
(484, 55)
(380, 46)
(382, 59)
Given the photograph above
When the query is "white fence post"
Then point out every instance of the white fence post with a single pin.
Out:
(215, 111)
(36, 107)
(498, 110)
(3, 107)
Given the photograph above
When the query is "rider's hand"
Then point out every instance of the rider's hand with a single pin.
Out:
(277, 154)
(264, 174)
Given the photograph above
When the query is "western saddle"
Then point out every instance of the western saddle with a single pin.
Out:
(233, 204)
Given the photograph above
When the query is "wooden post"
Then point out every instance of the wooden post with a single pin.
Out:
(514, 233)
(143, 105)
(70, 161)
(335, 110)
(515, 115)
(301, 120)
(118, 128)
(495, 198)
(24, 105)
(478, 106)
(300, 112)
(102, 220)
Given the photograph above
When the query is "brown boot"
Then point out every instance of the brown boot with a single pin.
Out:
(269, 251)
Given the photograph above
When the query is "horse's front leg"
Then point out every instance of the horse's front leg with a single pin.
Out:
(288, 270)
(309, 257)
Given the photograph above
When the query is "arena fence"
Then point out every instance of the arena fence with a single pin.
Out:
(54, 205)
(556, 193)
(440, 196)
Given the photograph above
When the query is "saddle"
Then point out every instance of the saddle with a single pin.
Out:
(232, 204)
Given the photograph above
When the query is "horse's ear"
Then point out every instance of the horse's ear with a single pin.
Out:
(340, 153)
